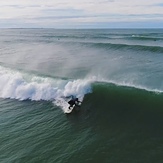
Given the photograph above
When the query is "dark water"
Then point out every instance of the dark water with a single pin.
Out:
(116, 73)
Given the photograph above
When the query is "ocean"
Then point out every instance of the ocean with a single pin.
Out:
(116, 73)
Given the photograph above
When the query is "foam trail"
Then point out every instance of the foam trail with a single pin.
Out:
(21, 86)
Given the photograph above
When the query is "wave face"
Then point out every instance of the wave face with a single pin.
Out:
(125, 97)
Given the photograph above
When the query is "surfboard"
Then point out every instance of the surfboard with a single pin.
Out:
(68, 111)
(75, 108)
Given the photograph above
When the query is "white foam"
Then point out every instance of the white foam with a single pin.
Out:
(17, 85)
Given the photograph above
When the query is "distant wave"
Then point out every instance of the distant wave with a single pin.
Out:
(147, 37)
(116, 46)
(153, 49)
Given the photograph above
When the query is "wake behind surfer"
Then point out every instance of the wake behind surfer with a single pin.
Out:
(74, 101)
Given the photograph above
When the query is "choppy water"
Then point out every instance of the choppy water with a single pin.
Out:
(116, 73)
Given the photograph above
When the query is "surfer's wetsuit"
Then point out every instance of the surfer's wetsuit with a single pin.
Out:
(73, 102)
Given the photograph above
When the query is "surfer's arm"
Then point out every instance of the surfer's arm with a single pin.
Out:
(78, 103)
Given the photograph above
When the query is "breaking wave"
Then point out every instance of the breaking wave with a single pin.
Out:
(23, 86)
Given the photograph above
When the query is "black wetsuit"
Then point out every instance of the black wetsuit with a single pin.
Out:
(73, 102)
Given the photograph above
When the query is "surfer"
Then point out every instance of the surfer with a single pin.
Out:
(74, 101)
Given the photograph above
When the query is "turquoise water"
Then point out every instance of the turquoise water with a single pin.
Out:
(117, 74)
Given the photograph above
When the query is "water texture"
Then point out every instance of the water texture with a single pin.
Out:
(117, 74)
